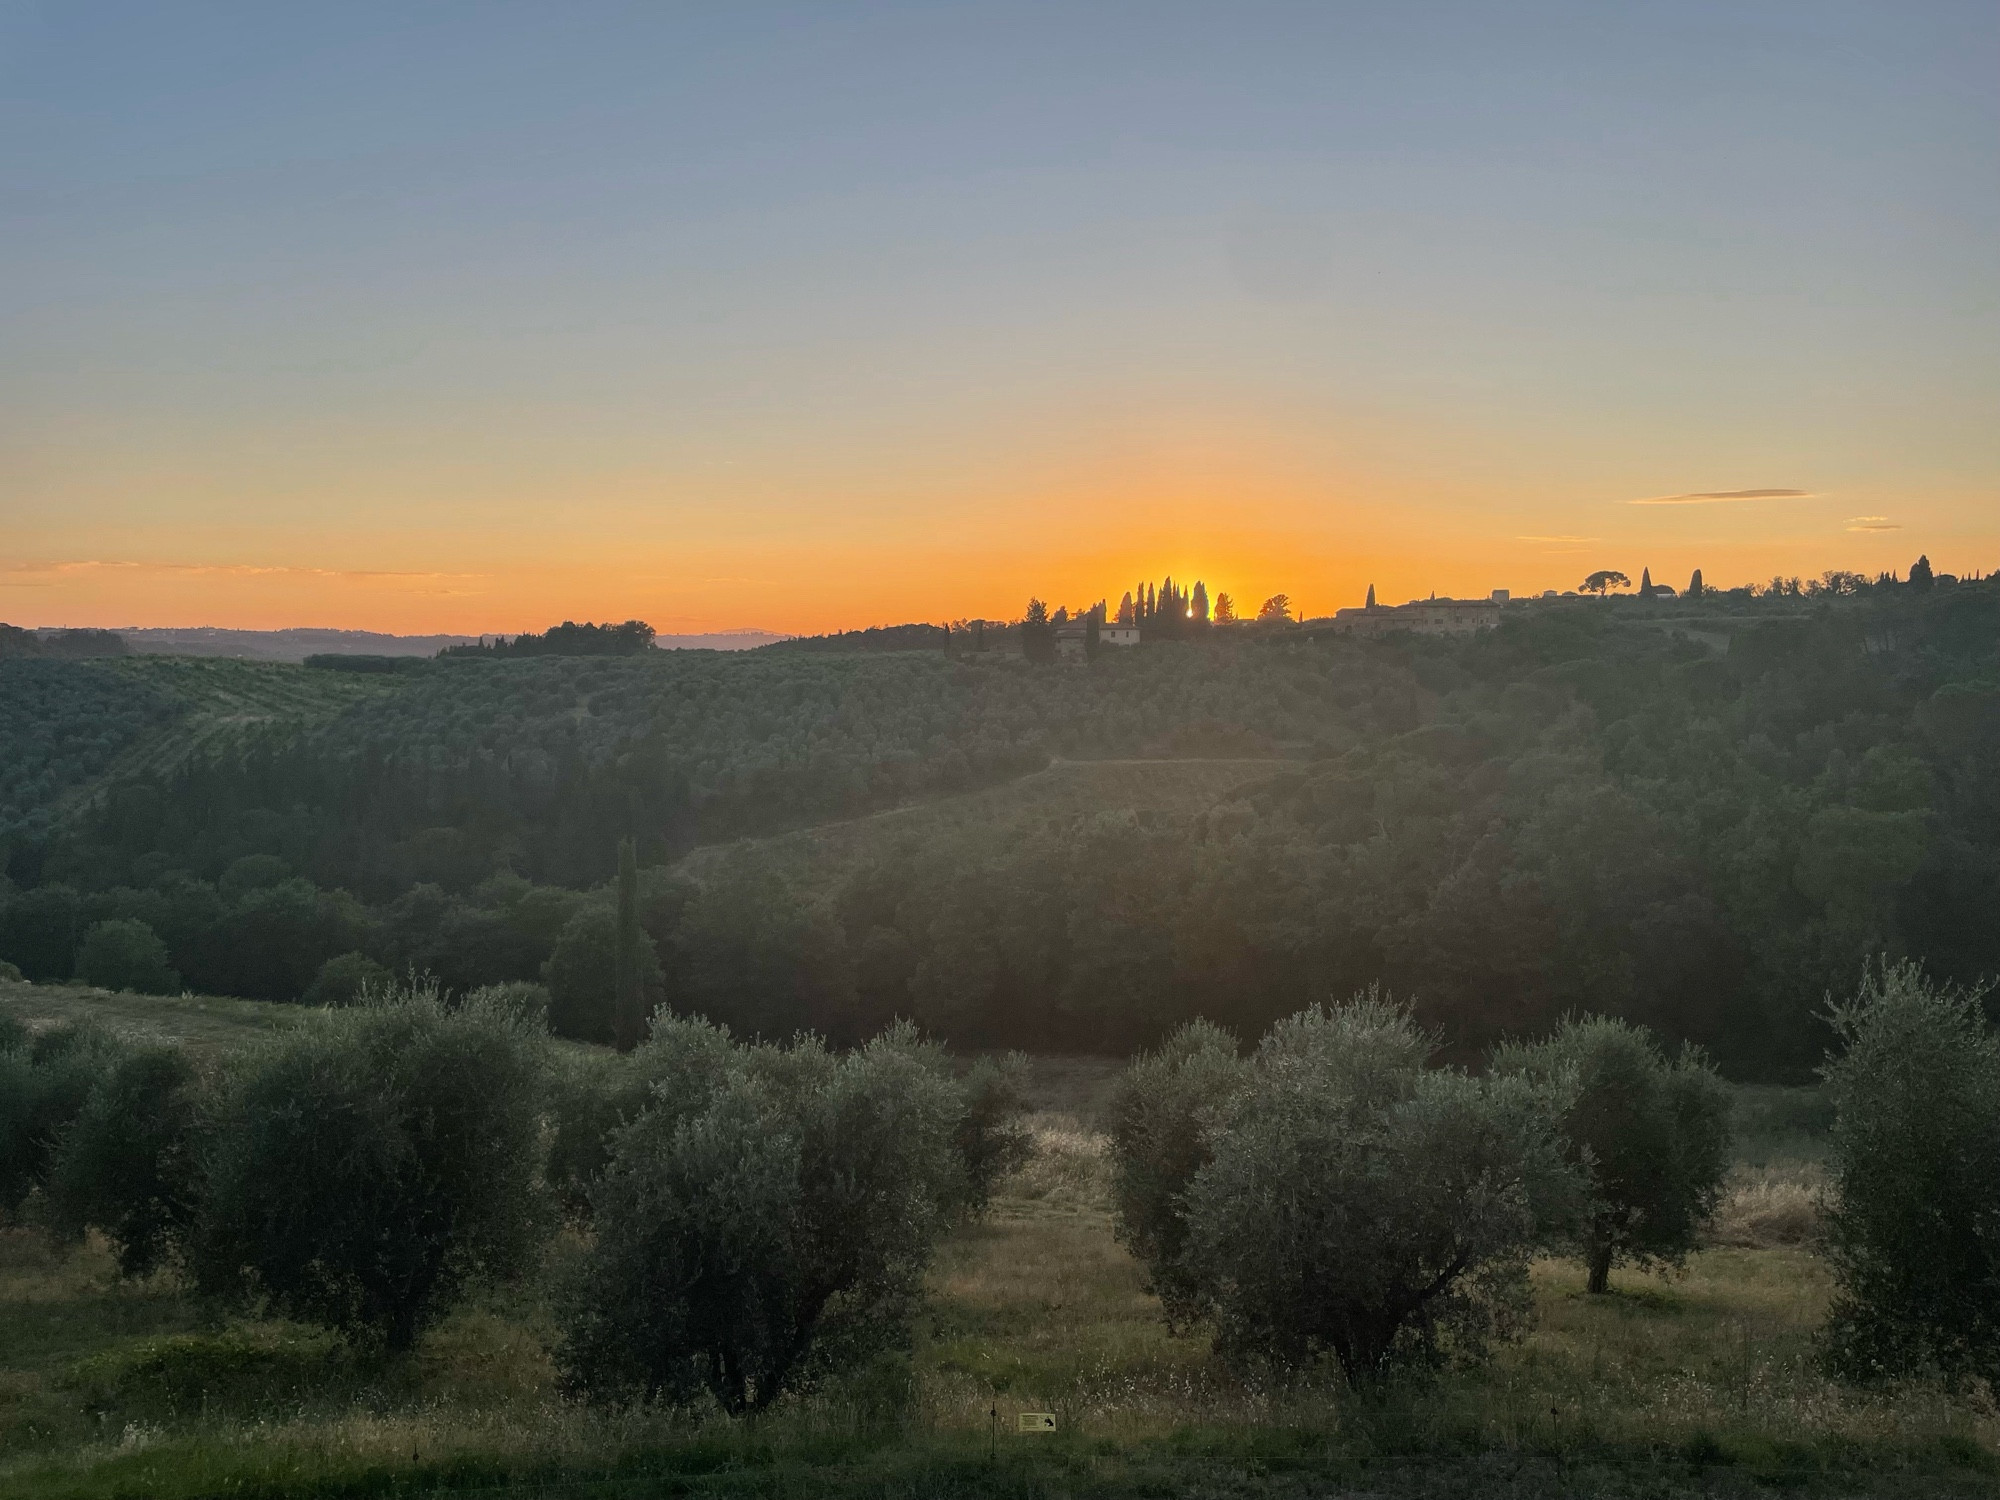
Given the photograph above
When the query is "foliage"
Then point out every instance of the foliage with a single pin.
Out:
(1169, 1106)
(125, 954)
(1698, 822)
(344, 979)
(1359, 1204)
(1913, 1230)
(524, 1001)
(45, 1083)
(629, 975)
(1652, 1134)
(16, 642)
(582, 974)
(1604, 580)
(989, 1137)
(566, 639)
(369, 1165)
(756, 1233)
(128, 1165)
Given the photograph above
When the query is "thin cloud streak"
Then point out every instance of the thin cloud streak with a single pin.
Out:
(1723, 497)
(1871, 523)
(226, 570)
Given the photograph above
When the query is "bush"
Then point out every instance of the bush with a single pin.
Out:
(367, 1166)
(38, 930)
(345, 979)
(990, 1139)
(766, 1220)
(582, 975)
(11, 973)
(45, 1083)
(125, 954)
(127, 1165)
(1913, 1227)
(1164, 1118)
(525, 1001)
(1652, 1133)
(1358, 1204)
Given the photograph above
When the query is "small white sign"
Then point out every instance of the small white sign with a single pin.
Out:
(1036, 1421)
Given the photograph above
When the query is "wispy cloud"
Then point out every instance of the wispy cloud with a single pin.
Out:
(224, 570)
(1871, 523)
(1722, 497)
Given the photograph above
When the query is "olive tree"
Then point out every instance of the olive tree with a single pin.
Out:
(1164, 1116)
(1651, 1132)
(368, 1165)
(765, 1219)
(1913, 1226)
(45, 1082)
(1358, 1204)
(128, 1164)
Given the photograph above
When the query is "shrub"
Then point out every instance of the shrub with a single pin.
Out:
(582, 975)
(38, 929)
(125, 954)
(990, 1139)
(1358, 1204)
(367, 1166)
(1651, 1132)
(344, 979)
(11, 973)
(45, 1083)
(1913, 1227)
(767, 1219)
(521, 999)
(127, 1165)
(1164, 1117)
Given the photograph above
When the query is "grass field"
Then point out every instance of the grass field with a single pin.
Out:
(203, 1022)
(1703, 1384)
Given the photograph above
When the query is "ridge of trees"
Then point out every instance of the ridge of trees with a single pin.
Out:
(566, 639)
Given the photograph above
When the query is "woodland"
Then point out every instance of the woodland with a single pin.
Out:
(1701, 815)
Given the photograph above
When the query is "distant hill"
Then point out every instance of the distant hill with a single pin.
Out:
(297, 645)
(874, 638)
(284, 645)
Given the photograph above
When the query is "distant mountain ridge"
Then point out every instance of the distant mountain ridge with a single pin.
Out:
(296, 645)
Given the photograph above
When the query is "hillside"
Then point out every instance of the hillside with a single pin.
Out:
(1702, 815)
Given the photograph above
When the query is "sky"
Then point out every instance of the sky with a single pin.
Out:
(478, 317)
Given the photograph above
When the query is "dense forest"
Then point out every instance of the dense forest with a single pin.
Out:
(1701, 814)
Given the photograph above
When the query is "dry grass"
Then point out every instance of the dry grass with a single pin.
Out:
(1770, 1207)
(204, 1022)
(1070, 1170)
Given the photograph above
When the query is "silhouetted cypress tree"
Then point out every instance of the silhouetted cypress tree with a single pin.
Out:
(1920, 573)
(1694, 585)
(629, 1016)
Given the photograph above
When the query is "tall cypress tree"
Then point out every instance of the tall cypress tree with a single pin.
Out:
(628, 1019)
